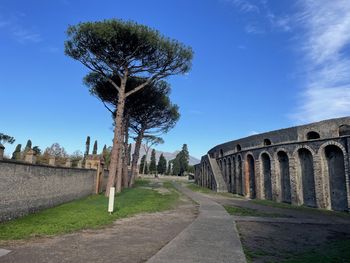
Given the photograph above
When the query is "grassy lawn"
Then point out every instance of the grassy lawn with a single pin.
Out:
(90, 212)
(304, 208)
(243, 211)
(204, 190)
(334, 252)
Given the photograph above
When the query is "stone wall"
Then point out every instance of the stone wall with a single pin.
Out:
(304, 165)
(26, 188)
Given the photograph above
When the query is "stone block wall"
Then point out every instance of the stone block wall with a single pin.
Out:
(26, 188)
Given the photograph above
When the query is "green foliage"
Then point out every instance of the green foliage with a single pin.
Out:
(146, 168)
(142, 163)
(87, 146)
(161, 167)
(109, 45)
(16, 155)
(106, 153)
(153, 164)
(4, 138)
(89, 212)
(75, 157)
(180, 163)
(57, 151)
(28, 146)
(244, 211)
(94, 151)
(37, 150)
(169, 172)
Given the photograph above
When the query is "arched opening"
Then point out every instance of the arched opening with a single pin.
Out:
(251, 176)
(224, 171)
(283, 162)
(267, 142)
(344, 130)
(229, 187)
(238, 148)
(307, 177)
(312, 135)
(239, 176)
(337, 182)
(221, 153)
(234, 175)
(266, 172)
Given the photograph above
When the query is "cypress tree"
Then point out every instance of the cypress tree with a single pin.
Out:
(87, 146)
(161, 167)
(168, 172)
(94, 151)
(146, 168)
(16, 155)
(28, 146)
(142, 163)
(153, 164)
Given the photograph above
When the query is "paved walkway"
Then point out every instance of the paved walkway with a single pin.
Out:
(286, 220)
(212, 237)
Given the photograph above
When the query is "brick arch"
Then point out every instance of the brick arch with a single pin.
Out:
(266, 175)
(305, 184)
(326, 180)
(239, 174)
(282, 175)
(250, 175)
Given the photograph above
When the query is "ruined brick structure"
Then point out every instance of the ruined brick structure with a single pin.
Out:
(303, 165)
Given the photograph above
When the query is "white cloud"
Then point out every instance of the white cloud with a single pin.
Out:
(253, 29)
(327, 88)
(13, 25)
(244, 6)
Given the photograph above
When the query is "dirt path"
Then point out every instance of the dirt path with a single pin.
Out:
(133, 239)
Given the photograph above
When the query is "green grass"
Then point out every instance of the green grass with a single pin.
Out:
(334, 252)
(243, 211)
(204, 190)
(90, 212)
(302, 208)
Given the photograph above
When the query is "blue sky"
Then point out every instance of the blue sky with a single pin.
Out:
(258, 66)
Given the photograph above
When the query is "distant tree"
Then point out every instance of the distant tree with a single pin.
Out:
(57, 151)
(153, 164)
(87, 146)
(161, 167)
(142, 164)
(176, 166)
(94, 151)
(125, 49)
(75, 157)
(16, 155)
(4, 138)
(184, 159)
(37, 150)
(106, 153)
(150, 141)
(168, 172)
(190, 169)
(28, 146)
(146, 168)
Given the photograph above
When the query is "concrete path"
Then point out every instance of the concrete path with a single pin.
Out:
(212, 237)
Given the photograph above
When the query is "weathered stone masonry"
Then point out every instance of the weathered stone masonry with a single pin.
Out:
(26, 188)
(303, 165)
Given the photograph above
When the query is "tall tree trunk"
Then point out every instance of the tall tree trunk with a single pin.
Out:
(116, 157)
(136, 155)
(126, 155)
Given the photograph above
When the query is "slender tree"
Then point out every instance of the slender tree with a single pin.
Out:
(142, 164)
(87, 146)
(94, 151)
(161, 166)
(28, 146)
(16, 155)
(125, 49)
(168, 172)
(150, 141)
(153, 164)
